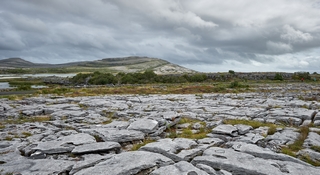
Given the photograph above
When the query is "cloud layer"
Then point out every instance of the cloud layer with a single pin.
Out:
(206, 35)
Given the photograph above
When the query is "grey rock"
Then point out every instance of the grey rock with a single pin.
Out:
(180, 168)
(68, 114)
(315, 156)
(128, 163)
(207, 169)
(213, 141)
(242, 163)
(99, 147)
(144, 125)
(169, 147)
(251, 138)
(188, 155)
(225, 129)
(287, 136)
(116, 135)
(89, 160)
(197, 126)
(264, 153)
(39, 166)
(243, 129)
(117, 124)
(52, 147)
(77, 139)
(313, 139)
(306, 122)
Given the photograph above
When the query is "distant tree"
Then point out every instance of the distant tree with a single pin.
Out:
(314, 73)
(231, 72)
(278, 76)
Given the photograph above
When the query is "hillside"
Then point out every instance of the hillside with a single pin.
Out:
(114, 65)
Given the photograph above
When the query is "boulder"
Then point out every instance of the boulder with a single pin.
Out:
(144, 125)
(225, 129)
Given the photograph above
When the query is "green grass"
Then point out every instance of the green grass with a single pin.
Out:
(288, 151)
(135, 147)
(173, 132)
(26, 134)
(293, 148)
(253, 123)
(307, 159)
(25, 119)
(315, 148)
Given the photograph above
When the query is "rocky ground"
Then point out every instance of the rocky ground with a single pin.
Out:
(103, 134)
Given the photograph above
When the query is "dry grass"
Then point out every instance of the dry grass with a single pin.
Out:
(25, 119)
(135, 147)
(173, 132)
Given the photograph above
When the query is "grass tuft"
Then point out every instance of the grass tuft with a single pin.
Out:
(135, 147)
(315, 148)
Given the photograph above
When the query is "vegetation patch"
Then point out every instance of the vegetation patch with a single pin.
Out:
(188, 132)
(135, 147)
(297, 145)
(307, 159)
(255, 124)
(315, 148)
(24, 119)
(293, 148)
(26, 134)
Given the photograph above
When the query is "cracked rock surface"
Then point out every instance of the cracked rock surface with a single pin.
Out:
(100, 134)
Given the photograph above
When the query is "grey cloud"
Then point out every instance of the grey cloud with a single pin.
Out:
(184, 32)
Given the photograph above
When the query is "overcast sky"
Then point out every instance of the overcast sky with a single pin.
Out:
(204, 35)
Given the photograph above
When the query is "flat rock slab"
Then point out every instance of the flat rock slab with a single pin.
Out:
(53, 147)
(128, 163)
(179, 168)
(264, 153)
(117, 124)
(225, 129)
(144, 125)
(242, 163)
(41, 167)
(169, 147)
(286, 136)
(313, 139)
(98, 147)
(243, 129)
(77, 139)
(116, 135)
(89, 160)
(68, 113)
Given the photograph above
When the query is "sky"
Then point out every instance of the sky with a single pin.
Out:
(203, 35)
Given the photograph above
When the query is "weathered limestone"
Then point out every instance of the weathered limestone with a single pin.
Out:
(99, 147)
(144, 125)
(95, 135)
(227, 159)
(128, 163)
(313, 139)
(116, 135)
(179, 168)
(169, 147)
(225, 129)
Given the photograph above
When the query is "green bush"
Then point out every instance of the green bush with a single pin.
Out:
(236, 84)
(24, 88)
(278, 76)
(231, 72)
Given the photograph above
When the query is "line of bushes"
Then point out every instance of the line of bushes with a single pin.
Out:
(98, 78)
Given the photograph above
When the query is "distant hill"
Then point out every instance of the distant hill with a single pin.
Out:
(126, 64)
